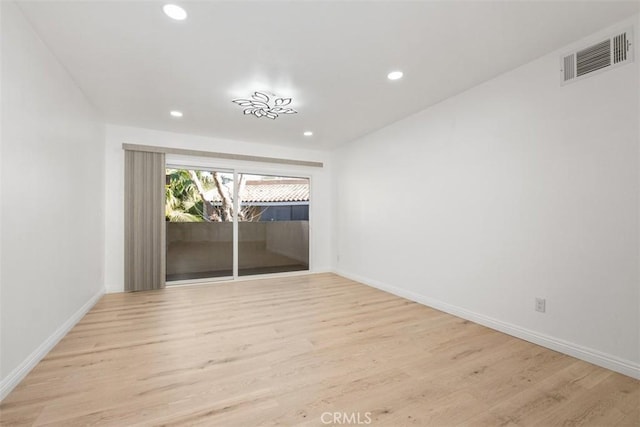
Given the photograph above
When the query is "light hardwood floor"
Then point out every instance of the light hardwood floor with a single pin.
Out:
(284, 351)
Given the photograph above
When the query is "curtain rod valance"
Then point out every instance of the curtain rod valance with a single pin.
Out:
(199, 153)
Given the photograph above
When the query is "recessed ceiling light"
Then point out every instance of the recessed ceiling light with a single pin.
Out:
(175, 12)
(308, 133)
(395, 75)
(175, 113)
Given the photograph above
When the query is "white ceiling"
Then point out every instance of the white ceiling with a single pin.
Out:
(136, 64)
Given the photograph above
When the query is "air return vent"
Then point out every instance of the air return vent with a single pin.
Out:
(604, 55)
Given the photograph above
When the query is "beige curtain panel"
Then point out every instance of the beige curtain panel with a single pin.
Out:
(144, 227)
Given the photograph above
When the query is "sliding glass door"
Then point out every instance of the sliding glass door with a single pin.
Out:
(273, 224)
(224, 224)
(199, 221)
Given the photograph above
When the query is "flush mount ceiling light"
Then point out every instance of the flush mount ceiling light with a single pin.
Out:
(395, 75)
(308, 133)
(175, 12)
(263, 105)
(176, 113)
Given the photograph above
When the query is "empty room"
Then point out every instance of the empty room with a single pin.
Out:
(320, 213)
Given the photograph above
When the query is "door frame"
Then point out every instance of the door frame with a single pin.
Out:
(211, 165)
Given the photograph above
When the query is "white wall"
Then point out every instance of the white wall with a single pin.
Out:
(321, 186)
(518, 188)
(51, 199)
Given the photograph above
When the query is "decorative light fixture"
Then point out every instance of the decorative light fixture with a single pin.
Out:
(395, 75)
(261, 106)
(308, 133)
(174, 11)
(176, 113)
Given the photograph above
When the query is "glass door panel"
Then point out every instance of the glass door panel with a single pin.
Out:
(199, 221)
(273, 224)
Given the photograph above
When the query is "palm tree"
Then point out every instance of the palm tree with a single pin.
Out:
(183, 202)
(188, 197)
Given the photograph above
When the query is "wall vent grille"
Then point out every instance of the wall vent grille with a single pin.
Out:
(620, 48)
(569, 67)
(593, 58)
(607, 54)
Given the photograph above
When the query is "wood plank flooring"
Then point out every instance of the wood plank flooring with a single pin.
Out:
(286, 351)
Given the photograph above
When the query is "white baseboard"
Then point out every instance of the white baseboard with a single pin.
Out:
(13, 379)
(115, 289)
(205, 281)
(605, 360)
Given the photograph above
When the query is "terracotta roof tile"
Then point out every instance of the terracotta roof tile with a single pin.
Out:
(272, 190)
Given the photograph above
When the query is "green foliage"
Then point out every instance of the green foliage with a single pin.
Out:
(182, 200)
(187, 194)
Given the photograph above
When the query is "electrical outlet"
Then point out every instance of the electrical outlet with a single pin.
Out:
(541, 305)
